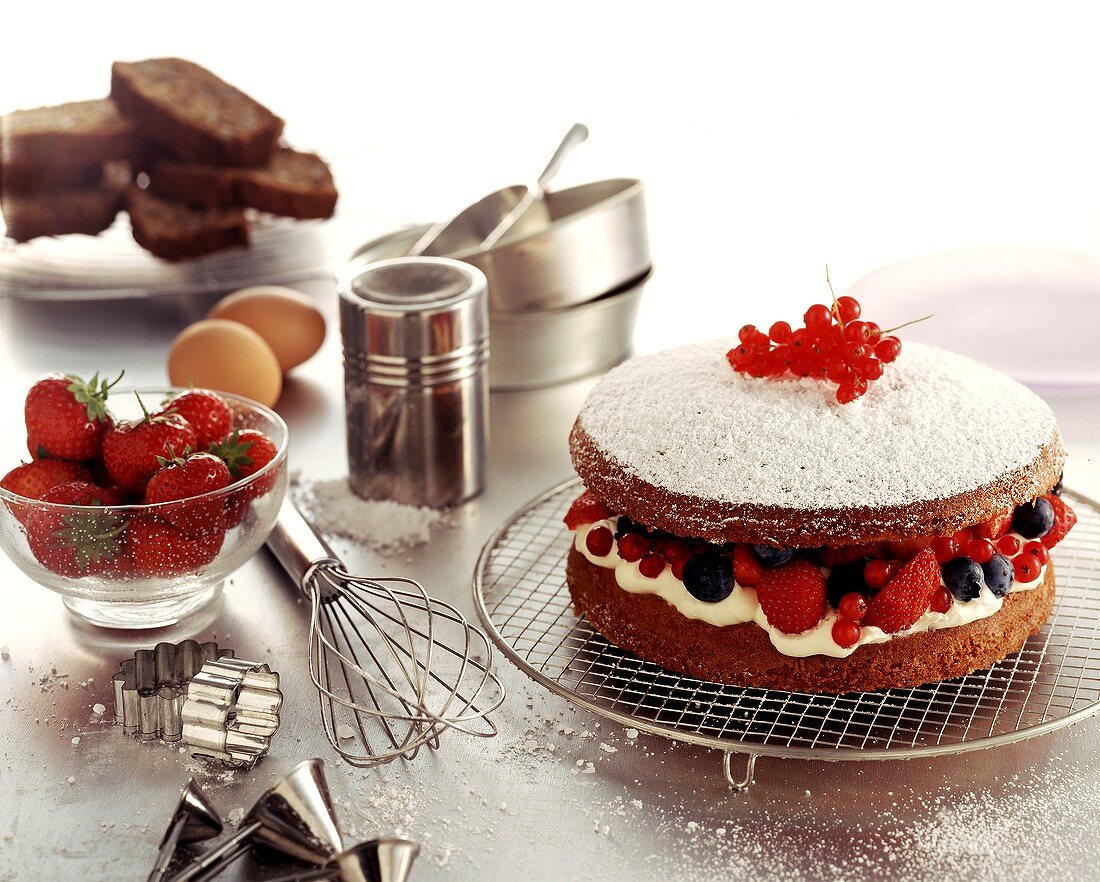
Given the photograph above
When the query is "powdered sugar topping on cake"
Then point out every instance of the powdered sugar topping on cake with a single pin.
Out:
(936, 425)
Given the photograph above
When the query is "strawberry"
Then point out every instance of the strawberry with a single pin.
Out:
(995, 527)
(792, 596)
(34, 479)
(246, 452)
(907, 549)
(158, 549)
(130, 449)
(747, 569)
(207, 413)
(844, 554)
(67, 416)
(1064, 519)
(586, 509)
(76, 543)
(183, 477)
(907, 596)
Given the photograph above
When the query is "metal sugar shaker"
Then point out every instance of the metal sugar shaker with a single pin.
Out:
(416, 343)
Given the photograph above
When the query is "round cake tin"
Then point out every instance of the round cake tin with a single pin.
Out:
(542, 347)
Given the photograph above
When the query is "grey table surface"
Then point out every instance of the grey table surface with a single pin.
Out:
(559, 794)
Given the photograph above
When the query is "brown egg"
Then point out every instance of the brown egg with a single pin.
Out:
(228, 357)
(289, 321)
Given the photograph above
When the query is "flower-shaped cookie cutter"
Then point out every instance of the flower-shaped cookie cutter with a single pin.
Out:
(232, 712)
(150, 688)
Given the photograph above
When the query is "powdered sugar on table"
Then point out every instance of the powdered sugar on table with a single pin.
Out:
(935, 425)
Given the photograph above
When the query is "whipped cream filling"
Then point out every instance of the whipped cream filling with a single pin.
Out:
(742, 606)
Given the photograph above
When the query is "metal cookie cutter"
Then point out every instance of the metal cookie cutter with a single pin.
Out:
(150, 687)
(232, 712)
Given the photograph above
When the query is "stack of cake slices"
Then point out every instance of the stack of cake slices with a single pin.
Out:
(184, 152)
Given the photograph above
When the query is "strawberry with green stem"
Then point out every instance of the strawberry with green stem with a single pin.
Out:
(80, 541)
(130, 449)
(246, 452)
(207, 413)
(67, 416)
(159, 550)
(186, 476)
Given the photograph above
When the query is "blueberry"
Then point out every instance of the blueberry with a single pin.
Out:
(709, 576)
(963, 578)
(773, 557)
(999, 574)
(1033, 519)
(845, 578)
(626, 525)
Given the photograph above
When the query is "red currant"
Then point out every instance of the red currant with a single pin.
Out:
(888, 349)
(1038, 551)
(852, 606)
(857, 332)
(1008, 545)
(780, 332)
(980, 550)
(677, 550)
(746, 333)
(839, 371)
(845, 633)
(747, 568)
(818, 317)
(846, 393)
(941, 601)
(874, 330)
(962, 537)
(632, 546)
(877, 573)
(857, 351)
(599, 541)
(677, 568)
(945, 548)
(847, 309)
(1026, 567)
(870, 368)
(651, 566)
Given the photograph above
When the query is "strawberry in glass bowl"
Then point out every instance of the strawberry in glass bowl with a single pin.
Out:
(135, 505)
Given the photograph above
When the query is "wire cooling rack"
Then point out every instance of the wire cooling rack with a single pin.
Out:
(522, 598)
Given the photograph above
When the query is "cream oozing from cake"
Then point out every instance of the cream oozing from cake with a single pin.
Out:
(742, 606)
(935, 425)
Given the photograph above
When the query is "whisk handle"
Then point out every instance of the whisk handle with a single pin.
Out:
(296, 545)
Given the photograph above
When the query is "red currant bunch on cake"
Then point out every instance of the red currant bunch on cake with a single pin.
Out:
(834, 344)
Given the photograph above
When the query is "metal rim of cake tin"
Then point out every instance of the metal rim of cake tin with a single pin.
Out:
(535, 562)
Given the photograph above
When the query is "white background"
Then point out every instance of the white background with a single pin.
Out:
(773, 137)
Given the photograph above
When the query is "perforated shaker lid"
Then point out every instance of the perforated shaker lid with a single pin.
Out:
(413, 308)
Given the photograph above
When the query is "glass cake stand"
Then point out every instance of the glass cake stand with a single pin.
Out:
(521, 596)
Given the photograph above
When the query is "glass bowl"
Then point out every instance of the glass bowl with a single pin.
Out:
(152, 564)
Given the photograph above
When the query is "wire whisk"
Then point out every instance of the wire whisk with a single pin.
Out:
(394, 667)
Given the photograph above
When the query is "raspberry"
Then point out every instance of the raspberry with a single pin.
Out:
(877, 573)
(747, 568)
(1064, 519)
(906, 597)
(853, 607)
(1036, 550)
(1026, 567)
(1008, 545)
(981, 550)
(632, 546)
(651, 566)
(792, 596)
(846, 633)
(586, 509)
(599, 541)
(941, 601)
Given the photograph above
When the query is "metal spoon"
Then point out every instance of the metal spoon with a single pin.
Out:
(576, 134)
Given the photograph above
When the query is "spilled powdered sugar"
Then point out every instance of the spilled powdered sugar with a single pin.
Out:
(935, 425)
(381, 524)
